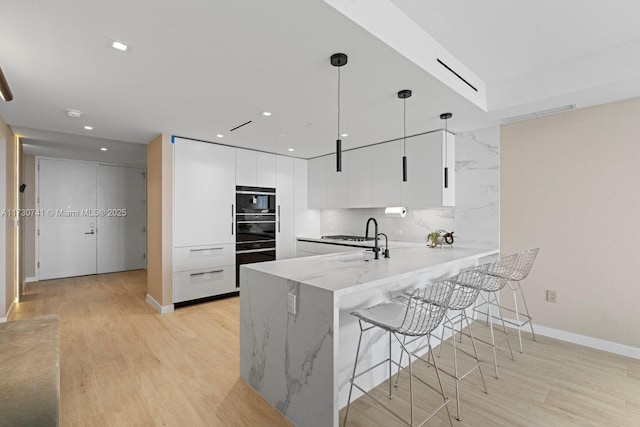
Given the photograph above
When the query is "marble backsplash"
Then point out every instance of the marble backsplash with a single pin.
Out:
(474, 219)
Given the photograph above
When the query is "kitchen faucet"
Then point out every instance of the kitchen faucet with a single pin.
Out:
(386, 245)
(376, 249)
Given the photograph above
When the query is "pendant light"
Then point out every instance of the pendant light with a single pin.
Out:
(338, 60)
(404, 94)
(5, 92)
(446, 117)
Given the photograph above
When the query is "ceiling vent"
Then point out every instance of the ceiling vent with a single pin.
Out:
(451, 70)
(239, 126)
(539, 113)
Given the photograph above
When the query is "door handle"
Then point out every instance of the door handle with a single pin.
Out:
(92, 232)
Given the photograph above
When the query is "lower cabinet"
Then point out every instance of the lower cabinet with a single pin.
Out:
(190, 285)
(203, 271)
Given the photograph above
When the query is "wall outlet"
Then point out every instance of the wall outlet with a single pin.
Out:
(291, 304)
(551, 296)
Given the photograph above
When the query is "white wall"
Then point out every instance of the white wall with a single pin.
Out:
(570, 185)
(4, 305)
(474, 219)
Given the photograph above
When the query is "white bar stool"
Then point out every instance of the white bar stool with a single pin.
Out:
(415, 316)
(495, 278)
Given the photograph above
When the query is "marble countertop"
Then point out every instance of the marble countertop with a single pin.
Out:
(348, 272)
(368, 244)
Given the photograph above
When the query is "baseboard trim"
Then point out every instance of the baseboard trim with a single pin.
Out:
(162, 309)
(31, 279)
(597, 343)
(9, 312)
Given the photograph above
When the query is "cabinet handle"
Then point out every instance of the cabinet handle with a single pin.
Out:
(205, 249)
(232, 219)
(206, 272)
(278, 218)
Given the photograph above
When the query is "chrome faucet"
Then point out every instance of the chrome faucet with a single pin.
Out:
(386, 245)
(376, 249)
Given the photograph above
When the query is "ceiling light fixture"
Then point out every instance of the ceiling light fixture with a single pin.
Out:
(446, 117)
(338, 60)
(290, 149)
(5, 91)
(404, 94)
(74, 114)
(103, 149)
(266, 113)
(344, 135)
(219, 135)
(117, 45)
(88, 127)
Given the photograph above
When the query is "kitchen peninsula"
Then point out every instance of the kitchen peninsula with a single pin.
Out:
(297, 338)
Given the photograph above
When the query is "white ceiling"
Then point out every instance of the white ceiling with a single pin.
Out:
(201, 70)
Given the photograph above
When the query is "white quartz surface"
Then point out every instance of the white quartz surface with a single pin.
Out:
(344, 273)
(393, 244)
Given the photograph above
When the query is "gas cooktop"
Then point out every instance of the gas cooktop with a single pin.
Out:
(348, 238)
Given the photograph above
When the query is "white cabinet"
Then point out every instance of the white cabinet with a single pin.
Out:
(387, 174)
(358, 167)
(285, 205)
(317, 183)
(204, 235)
(204, 193)
(426, 156)
(337, 184)
(255, 169)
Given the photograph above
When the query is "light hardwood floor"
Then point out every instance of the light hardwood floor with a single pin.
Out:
(122, 364)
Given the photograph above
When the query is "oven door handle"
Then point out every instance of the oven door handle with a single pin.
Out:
(248, 251)
(256, 222)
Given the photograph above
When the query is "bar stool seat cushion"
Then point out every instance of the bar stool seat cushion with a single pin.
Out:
(388, 315)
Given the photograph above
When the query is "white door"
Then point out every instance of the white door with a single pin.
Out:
(121, 218)
(66, 234)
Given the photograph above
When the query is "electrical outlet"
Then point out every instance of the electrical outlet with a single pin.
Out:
(291, 304)
(551, 296)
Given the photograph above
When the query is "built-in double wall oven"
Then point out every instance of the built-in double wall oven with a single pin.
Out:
(255, 226)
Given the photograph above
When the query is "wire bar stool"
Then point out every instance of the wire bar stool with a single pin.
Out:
(523, 265)
(415, 316)
(467, 285)
(496, 276)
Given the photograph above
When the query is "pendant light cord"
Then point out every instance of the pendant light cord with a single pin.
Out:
(446, 140)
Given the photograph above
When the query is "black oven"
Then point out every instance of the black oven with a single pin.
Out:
(255, 226)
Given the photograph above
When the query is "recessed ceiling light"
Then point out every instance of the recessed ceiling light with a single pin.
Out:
(344, 135)
(88, 127)
(266, 113)
(122, 47)
(74, 114)
(291, 149)
(219, 135)
(103, 149)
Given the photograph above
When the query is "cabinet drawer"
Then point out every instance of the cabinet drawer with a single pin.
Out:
(190, 285)
(195, 257)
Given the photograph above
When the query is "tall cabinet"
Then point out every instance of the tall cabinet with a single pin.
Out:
(204, 240)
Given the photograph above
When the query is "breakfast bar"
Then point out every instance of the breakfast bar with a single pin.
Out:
(297, 337)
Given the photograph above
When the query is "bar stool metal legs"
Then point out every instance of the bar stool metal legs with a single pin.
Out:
(416, 316)
(496, 275)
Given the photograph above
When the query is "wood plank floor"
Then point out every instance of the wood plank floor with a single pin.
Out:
(122, 364)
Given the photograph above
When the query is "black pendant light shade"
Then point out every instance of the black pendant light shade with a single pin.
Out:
(338, 60)
(404, 94)
(445, 117)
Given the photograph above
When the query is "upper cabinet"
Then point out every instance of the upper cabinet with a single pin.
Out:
(386, 174)
(255, 169)
(317, 183)
(372, 176)
(204, 193)
(427, 156)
